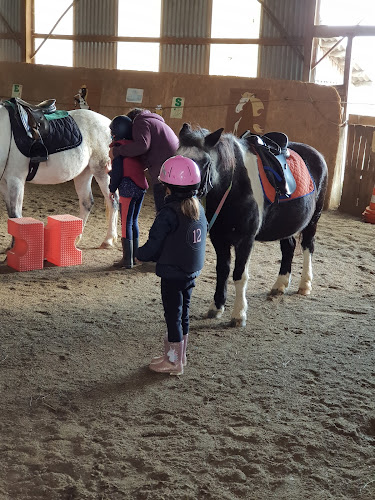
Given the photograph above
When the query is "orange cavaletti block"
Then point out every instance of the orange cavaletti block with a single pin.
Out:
(60, 235)
(369, 213)
(28, 249)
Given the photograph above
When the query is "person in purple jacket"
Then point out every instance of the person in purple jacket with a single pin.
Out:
(154, 141)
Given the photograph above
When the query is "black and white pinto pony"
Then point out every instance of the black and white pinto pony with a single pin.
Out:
(245, 216)
(88, 160)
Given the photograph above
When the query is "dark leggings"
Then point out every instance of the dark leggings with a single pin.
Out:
(176, 296)
(129, 211)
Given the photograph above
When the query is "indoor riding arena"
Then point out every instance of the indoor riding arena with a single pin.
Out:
(280, 407)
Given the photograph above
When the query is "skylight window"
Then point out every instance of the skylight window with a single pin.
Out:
(55, 52)
(235, 19)
(347, 12)
(145, 16)
(139, 18)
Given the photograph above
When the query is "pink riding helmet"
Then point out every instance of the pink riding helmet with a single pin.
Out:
(180, 171)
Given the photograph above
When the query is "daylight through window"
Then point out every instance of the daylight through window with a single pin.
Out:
(55, 52)
(139, 19)
(235, 19)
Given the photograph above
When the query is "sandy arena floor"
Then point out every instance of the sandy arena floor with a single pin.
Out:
(283, 409)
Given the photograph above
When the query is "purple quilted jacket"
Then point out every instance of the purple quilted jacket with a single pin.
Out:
(153, 140)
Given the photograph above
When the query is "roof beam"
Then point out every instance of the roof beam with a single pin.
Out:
(296, 41)
(323, 31)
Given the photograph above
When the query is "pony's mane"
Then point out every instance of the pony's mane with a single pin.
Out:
(225, 148)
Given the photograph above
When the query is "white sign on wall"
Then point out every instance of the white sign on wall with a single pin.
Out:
(16, 90)
(177, 107)
(134, 95)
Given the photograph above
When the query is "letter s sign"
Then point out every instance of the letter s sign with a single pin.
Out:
(177, 107)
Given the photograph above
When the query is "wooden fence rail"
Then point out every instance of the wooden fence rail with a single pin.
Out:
(359, 176)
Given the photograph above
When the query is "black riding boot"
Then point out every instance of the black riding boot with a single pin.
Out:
(127, 251)
(135, 248)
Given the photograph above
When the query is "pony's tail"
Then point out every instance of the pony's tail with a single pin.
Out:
(190, 208)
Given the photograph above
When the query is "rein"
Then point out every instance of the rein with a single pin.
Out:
(219, 207)
(222, 201)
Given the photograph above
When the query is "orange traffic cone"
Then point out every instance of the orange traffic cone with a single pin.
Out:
(369, 213)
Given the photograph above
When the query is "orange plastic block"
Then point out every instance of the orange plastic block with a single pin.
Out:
(28, 248)
(60, 234)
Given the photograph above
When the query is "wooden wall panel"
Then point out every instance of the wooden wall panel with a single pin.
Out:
(359, 177)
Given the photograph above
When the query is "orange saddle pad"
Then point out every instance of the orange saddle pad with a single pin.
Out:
(301, 174)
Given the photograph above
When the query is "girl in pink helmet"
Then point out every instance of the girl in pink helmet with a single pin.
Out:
(176, 242)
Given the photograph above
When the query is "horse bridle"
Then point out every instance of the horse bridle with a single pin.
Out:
(206, 186)
(206, 182)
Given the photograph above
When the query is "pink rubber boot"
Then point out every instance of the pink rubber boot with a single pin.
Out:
(159, 359)
(172, 362)
(185, 341)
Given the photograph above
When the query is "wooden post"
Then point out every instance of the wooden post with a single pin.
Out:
(208, 35)
(312, 12)
(347, 77)
(27, 28)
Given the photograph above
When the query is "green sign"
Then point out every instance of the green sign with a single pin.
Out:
(16, 90)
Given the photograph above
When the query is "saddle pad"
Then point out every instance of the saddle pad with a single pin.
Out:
(301, 174)
(59, 113)
(64, 132)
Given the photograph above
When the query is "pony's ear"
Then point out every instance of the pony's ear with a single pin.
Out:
(185, 128)
(212, 139)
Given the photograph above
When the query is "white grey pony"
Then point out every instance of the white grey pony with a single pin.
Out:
(89, 159)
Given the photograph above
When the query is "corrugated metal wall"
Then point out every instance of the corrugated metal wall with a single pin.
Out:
(95, 17)
(181, 19)
(283, 62)
(184, 19)
(10, 49)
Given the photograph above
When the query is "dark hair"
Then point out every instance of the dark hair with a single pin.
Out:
(189, 202)
(121, 127)
(134, 112)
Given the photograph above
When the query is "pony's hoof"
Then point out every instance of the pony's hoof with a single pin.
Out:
(213, 312)
(281, 285)
(304, 291)
(237, 322)
(106, 246)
